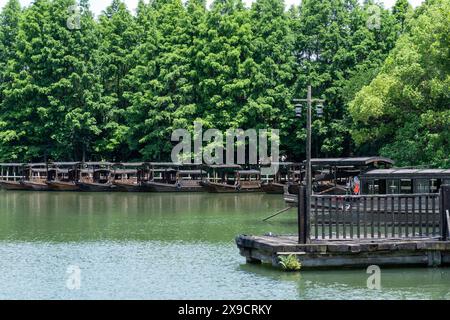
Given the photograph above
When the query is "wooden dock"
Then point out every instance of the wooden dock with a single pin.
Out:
(325, 254)
(333, 236)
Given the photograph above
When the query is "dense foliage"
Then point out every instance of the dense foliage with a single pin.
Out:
(405, 111)
(117, 87)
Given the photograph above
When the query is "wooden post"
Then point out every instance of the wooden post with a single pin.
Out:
(444, 211)
(302, 216)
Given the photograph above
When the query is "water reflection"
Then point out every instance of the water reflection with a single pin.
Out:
(137, 216)
(167, 246)
(352, 284)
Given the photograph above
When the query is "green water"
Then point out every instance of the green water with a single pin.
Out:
(167, 246)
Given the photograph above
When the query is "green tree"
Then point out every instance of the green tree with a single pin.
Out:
(52, 91)
(402, 11)
(271, 69)
(337, 51)
(404, 111)
(9, 26)
(162, 92)
(119, 36)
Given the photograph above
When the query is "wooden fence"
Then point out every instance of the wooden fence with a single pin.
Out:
(408, 216)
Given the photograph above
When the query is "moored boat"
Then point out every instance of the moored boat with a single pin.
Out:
(286, 173)
(334, 176)
(170, 177)
(63, 176)
(13, 185)
(35, 177)
(232, 179)
(130, 177)
(96, 177)
(63, 186)
(273, 188)
(12, 176)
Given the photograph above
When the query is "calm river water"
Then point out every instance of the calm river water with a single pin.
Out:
(167, 246)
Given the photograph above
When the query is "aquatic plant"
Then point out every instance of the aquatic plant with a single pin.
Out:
(290, 263)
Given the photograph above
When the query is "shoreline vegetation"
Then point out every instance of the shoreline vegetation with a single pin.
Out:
(118, 86)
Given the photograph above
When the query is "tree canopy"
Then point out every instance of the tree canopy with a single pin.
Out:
(116, 87)
(405, 111)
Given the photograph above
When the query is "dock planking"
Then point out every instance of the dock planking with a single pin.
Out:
(326, 254)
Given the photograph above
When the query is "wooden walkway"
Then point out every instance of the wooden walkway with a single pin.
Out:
(319, 254)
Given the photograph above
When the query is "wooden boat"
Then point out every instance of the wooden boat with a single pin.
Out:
(37, 185)
(170, 177)
(63, 176)
(286, 173)
(36, 176)
(96, 187)
(273, 188)
(12, 176)
(177, 187)
(96, 177)
(334, 176)
(130, 177)
(14, 185)
(403, 181)
(63, 186)
(229, 179)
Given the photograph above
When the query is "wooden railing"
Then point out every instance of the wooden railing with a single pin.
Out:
(408, 216)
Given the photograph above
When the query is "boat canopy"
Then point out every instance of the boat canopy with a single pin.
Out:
(224, 166)
(191, 172)
(164, 164)
(249, 172)
(351, 162)
(91, 164)
(129, 164)
(12, 164)
(124, 171)
(407, 174)
(65, 164)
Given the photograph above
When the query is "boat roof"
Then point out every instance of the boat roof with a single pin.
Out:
(248, 172)
(192, 172)
(224, 166)
(62, 164)
(124, 171)
(103, 170)
(164, 164)
(280, 164)
(34, 165)
(58, 170)
(408, 173)
(168, 169)
(90, 170)
(98, 163)
(11, 164)
(129, 164)
(360, 161)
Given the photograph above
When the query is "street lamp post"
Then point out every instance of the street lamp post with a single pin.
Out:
(298, 110)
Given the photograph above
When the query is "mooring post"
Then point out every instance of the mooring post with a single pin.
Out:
(445, 210)
(302, 216)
